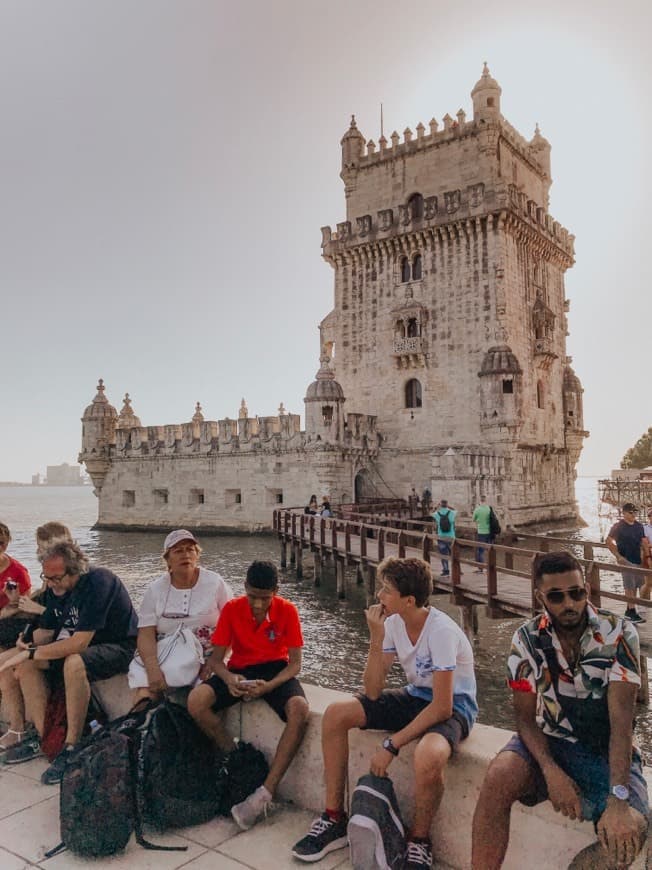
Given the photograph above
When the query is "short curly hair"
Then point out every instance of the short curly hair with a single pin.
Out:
(410, 576)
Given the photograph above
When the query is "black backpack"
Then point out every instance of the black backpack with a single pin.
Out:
(444, 521)
(245, 768)
(152, 765)
(180, 778)
(376, 831)
(494, 524)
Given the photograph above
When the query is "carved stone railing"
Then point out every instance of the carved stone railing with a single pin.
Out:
(414, 344)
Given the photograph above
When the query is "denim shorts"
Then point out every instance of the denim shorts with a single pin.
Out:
(589, 771)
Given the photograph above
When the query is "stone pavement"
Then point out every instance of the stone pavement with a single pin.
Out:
(29, 826)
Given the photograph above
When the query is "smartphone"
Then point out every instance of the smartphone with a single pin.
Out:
(246, 684)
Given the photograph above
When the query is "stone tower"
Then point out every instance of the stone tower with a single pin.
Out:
(98, 435)
(449, 322)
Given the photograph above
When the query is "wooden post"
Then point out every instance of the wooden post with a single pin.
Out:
(299, 561)
(469, 621)
(643, 696)
(455, 569)
(339, 574)
(492, 583)
(370, 572)
(316, 557)
(593, 579)
(401, 545)
(284, 553)
(359, 579)
(293, 554)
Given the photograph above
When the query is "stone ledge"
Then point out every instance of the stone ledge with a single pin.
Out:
(534, 831)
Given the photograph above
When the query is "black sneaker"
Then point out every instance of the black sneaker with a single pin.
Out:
(634, 616)
(324, 836)
(418, 856)
(54, 772)
(26, 750)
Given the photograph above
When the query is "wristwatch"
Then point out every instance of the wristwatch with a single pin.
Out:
(619, 791)
(389, 746)
(32, 652)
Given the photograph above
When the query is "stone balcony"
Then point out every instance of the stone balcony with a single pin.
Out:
(544, 352)
(409, 352)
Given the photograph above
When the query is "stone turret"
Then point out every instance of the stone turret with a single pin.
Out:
(486, 97)
(500, 393)
(353, 148)
(98, 435)
(127, 419)
(324, 405)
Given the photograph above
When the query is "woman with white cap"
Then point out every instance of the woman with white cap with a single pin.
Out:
(177, 616)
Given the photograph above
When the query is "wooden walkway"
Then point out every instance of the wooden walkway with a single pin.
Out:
(504, 587)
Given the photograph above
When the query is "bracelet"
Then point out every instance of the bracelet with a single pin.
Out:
(32, 652)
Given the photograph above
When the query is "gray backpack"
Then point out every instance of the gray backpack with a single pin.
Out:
(375, 830)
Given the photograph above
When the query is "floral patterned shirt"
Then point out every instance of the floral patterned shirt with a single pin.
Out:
(609, 652)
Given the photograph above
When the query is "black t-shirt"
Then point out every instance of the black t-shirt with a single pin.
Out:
(99, 602)
(628, 537)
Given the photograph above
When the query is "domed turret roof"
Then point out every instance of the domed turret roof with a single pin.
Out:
(100, 408)
(571, 382)
(500, 360)
(127, 419)
(486, 82)
(352, 132)
(324, 388)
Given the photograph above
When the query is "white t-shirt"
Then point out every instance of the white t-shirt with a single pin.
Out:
(441, 646)
(198, 608)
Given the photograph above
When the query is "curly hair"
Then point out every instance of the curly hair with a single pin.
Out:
(73, 557)
(410, 576)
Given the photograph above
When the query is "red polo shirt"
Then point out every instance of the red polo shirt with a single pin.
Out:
(19, 573)
(253, 644)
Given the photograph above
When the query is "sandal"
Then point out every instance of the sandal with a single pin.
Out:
(19, 734)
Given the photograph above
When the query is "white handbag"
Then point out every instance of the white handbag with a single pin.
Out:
(180, 657)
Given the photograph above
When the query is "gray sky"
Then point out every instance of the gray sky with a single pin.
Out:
(165, 168)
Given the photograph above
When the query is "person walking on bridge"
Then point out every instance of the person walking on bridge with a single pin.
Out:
(628, 543)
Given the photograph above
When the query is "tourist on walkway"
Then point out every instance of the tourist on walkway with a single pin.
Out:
(263, 633)
(481, 518)
(627, 541)
(437, 708)
(312, 507)
(574, 673)
(326, 507)
(186, 597)
(87, 633)
(444, 517)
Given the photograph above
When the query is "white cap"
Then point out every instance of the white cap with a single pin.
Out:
(176, 536)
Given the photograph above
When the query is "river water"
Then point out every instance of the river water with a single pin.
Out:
(335, 632)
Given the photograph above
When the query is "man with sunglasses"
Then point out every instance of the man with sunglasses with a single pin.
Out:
(574, 672)
(630, 546)
(87, 633)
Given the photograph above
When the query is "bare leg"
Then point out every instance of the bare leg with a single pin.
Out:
(297, 711)
(509, 777)
(200, 702)
(78, 694)
(338, 720)
(35, 690)
(430, 759)
(13, 700)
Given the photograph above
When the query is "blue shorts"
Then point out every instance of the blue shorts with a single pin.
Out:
(589, 771)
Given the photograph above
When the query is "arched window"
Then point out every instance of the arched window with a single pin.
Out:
(399, 328)
(405, 270)
(415, 206)
(416, 268)
(413, 394)
(540, 394)
(412, 328)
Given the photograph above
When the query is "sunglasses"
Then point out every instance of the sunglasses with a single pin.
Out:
(556, 596)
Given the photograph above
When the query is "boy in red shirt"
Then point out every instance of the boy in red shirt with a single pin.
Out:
(264, 634)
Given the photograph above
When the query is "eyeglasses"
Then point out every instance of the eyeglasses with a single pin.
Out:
(556, 596)
(58, 579)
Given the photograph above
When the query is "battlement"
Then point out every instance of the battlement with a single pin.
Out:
(452, 206)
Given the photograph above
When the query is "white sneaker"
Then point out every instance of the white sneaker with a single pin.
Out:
(246, 814)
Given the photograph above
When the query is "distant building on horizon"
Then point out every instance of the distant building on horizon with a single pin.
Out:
(446, 343)
(62, 475)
